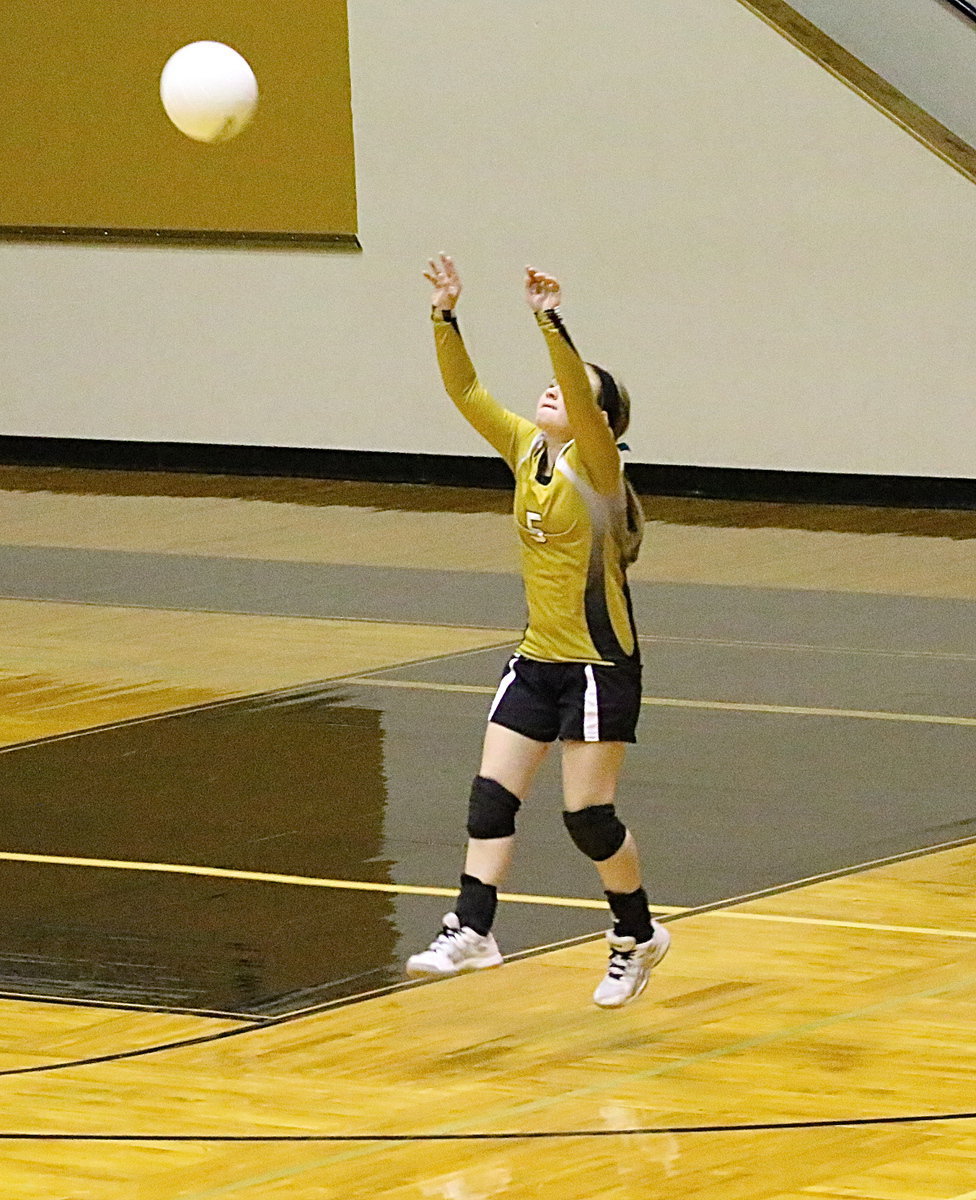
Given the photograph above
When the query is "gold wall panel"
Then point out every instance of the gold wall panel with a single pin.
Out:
(85, 144)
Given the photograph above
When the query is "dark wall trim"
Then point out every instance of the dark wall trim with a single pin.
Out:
(236, 238)
(805, 487)
(448, 470)
(302, 462)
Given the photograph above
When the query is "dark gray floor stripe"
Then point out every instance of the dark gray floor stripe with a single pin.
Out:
(475, 599)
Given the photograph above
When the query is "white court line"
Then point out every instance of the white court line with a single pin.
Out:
(805, 711)
(792, 710)
(811, 647)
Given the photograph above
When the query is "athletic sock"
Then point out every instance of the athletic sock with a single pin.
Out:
(631, 917)
(476, 904)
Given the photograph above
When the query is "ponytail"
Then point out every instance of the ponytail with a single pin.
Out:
(635, 524)
(614, 399)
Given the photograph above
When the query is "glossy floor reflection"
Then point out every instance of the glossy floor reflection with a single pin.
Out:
(294, 786)
(343, 782)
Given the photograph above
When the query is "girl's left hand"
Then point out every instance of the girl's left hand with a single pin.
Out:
(542, 292)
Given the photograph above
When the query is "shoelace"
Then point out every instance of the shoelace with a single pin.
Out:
(619, 962)
(445, 938)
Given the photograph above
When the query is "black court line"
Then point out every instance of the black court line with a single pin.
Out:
(823, 877)
(508, 1136)
(303, 690)
(327, 615)
(129, 1006)
(307, 688)
(288, 1018)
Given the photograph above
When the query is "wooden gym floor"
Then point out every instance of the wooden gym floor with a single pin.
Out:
(238, 721)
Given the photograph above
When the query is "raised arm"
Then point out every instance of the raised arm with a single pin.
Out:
(594, 439)
(496, 424)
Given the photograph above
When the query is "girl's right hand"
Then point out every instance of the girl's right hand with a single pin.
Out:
(542, 291)
(446, 281)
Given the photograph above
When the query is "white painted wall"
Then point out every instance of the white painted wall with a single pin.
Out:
(783, 277)
(926, 48)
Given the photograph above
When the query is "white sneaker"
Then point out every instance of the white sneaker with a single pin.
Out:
(455, 949)
(630, 967)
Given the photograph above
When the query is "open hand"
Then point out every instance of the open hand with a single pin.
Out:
(447, 283)
(542, 292)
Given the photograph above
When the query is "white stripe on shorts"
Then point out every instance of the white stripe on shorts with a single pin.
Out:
(503, 687)
(591, 708)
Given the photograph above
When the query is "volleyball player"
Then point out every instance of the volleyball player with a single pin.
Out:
(576, 674)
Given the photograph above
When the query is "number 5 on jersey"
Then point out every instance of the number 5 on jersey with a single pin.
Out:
(534, 531)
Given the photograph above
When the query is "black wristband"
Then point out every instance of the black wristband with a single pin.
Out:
(555, 318)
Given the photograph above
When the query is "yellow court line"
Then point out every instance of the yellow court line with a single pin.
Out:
(406, 889)
(353, 885)
(718, 705)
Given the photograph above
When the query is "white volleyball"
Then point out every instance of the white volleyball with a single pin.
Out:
(209, 91)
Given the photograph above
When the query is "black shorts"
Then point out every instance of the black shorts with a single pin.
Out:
(576, 702)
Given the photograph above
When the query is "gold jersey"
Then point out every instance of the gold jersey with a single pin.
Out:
(571, 514)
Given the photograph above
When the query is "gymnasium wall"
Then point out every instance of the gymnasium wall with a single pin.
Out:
(782, 275)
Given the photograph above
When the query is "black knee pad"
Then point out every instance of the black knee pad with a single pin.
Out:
(596, 830)
(491, 809)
